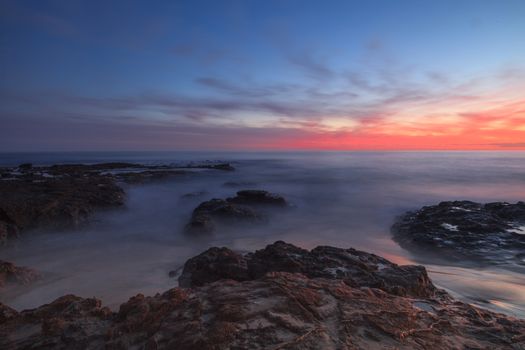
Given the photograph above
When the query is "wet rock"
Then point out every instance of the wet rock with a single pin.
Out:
(8, 228)
(222, 166)
(492, 233)
(204, 216)
(241, 208)
(145, 176)
(6, 313)
(54, 203)
(355, 268)
(278, 310)
(213, 265)
(11, 274)
(214, 166)
(25, 166)
(70, 322)
(65, 195)
(254, 197)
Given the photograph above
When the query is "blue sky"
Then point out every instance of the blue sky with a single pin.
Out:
(126, 75)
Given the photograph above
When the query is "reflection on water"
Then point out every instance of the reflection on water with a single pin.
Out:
(340, 199)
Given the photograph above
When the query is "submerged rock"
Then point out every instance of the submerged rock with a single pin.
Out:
(273, 310)
(12, 274)
(486, 233)
(204, 216)
(240, 208)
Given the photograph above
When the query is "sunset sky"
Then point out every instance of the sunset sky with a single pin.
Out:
(262, 75)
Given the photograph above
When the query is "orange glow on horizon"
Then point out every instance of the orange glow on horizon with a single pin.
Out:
(501, 128)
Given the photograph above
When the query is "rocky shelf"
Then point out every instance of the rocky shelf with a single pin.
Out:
(492, 233)
(280, 297)
(65, 195)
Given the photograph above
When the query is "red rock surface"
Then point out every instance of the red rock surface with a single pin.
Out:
(275, 310)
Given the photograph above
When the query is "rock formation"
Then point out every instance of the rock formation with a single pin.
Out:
(241, 208)
(293, 303)
(12, 274)
(492, 233)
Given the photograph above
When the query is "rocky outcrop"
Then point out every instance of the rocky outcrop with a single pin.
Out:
(492, 233)
(354, 267)
(241, 208)
(273, 310)
(65, 195)
(207, 213)
(54, 203)
(12, 274)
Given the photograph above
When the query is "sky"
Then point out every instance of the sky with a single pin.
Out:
(262, 75)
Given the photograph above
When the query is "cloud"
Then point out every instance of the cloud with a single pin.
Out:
(364, 111)
(311, 66)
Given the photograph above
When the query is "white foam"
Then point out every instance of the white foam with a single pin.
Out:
(461, 209)
(519, 230)
(449, 227)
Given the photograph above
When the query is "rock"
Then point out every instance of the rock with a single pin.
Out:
(8, 228)
(6, 313)
(213, 265)
(56, 203)
(492, 233)
(355, 268)
(214, 166)
(25, 166)
(240, 208)
(65, 195)
(143, 176)
(12, 274)
(277, 310)
(222, 166)
(204, 216)
(252, 197)
(70, 322)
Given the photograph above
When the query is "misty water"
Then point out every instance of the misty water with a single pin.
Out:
(343, 199)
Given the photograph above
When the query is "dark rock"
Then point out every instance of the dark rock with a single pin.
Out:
(12, 274)
(355, 268)
(143, 176)
(25, 166)
(54, 203)
(65, 195)
(235, 209)
(222, 166)
(8, 228)
(279, 310)
(6, 313)
(252, 197)
(213, 265)
(486, 233)
(203, 217)
(214, 166)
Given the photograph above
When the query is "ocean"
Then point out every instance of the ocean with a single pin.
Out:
(343, 199)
